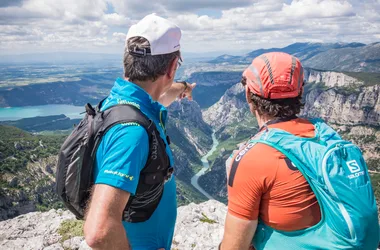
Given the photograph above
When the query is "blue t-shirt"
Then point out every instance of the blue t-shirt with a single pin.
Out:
(121, 156)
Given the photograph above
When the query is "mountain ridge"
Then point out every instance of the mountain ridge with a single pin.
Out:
(322, 56)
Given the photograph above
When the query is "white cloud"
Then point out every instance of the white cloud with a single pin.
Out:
(275, 23)
(67, 8)
(136, 8)
(101, 25)
(318, 9)
(115, 19)
(119, 37)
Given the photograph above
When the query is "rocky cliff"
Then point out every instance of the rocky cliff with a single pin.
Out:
(334, 96)
(359, 107)
(186, 117)
(30, 189)
(211, 85)
(230, 117)
(199, 227)
(231, 108)
(190, 138)
(330, 78)
(233, 123)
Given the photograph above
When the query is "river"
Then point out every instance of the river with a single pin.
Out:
(206, 165)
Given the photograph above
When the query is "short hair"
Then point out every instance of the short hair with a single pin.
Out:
(146, 67)
(282, 108)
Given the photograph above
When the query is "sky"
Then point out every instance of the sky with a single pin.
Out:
(225, 26)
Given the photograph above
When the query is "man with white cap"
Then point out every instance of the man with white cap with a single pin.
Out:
(151, 58)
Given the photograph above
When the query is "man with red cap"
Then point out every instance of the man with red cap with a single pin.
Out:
(271, 203)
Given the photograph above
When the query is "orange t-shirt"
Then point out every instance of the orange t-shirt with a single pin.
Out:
(266, 184)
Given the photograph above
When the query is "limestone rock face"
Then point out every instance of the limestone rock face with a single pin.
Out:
(186, 116)
(230, 109)
(28, 187)
(190, 137)
(358, 108)
(199, 226)
(330, 78)
(360, 105)
(33, 230)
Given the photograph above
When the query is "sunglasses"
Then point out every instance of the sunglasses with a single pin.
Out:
(179, 62)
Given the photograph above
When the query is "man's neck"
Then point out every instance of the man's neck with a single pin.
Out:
(154, 89)
(263, 119)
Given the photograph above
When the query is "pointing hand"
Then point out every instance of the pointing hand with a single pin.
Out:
(188, 91)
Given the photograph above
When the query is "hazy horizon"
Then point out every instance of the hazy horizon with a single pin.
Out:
(80, 56)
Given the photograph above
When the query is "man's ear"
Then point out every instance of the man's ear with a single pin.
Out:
(172, 68)
(248, 95)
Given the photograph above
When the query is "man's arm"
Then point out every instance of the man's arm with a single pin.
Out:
(244, 196)
(238, 233)
(121, 155)
(176, 90)
(103, 228)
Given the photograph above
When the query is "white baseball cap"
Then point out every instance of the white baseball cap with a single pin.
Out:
(163, 35)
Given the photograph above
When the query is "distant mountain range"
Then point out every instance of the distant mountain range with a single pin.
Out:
(43, 123)
(354, 57)
(80, 58)
(93, 88)
(55, 58)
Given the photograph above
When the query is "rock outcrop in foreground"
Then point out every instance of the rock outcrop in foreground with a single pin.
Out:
(199, 226)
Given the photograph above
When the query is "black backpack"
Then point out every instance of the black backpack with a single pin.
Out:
(74, 177)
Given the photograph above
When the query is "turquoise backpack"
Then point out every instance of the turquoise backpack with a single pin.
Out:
(338, 175)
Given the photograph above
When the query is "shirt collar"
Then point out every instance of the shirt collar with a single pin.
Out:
(125, 91)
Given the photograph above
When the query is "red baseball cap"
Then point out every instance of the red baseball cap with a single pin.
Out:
(275, 75)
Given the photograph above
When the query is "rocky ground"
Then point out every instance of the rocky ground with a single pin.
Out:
(199, 227)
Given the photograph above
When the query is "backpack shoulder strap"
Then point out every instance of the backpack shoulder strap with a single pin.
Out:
(123, 114)
(118, 114)
(289, 154)
(323, 131)
(285, 152)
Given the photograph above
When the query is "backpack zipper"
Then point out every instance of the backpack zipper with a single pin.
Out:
(161, 119)
(161, 123)
(343, 210)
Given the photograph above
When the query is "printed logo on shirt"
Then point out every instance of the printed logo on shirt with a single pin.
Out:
(120, 101)
(236, 162)
(130, 124)
(243, 152)
(154, 153)
(129, 177)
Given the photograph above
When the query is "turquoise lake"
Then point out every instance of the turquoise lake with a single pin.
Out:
(16, 113)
